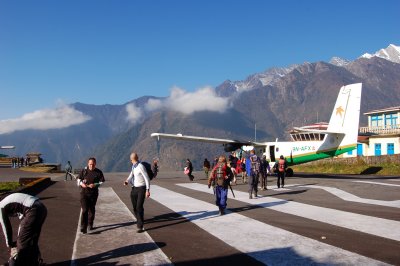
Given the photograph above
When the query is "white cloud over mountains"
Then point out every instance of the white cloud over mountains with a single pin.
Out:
(134, 113)
(60, 117)
(204, 99)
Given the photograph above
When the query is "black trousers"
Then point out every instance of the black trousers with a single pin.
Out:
(29, 233)
(138, 195)
(280, 182)
(253, 182)
(88, 205)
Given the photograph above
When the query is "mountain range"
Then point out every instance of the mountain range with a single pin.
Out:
(264, 107)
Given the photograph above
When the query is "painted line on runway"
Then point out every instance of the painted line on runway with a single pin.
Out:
(353, 198)
(353, 221)
(378, 183)
(114, 240)
(268, 244)
(350, 197)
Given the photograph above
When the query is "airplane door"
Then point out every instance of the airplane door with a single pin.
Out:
(272, 153)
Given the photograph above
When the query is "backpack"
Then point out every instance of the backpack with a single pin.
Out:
(281, 165)
(220, 174)
(255, 164)
(148, 169)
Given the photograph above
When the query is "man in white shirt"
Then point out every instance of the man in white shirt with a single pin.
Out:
(140, 183)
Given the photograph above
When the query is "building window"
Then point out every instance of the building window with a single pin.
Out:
(378, 151)
(376, 121)
(390, 120)
(390, 148)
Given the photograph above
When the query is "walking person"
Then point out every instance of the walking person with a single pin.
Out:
(32, 213)
(233, 160)
(140, 183)
(253, 173)
(221, 176)
(68, 170)
(206, 167)
(280, 168)
(154, 168)
(89, 181)
(264, 170)
(189, 169)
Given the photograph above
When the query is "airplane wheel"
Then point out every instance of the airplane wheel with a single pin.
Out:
(289, 172)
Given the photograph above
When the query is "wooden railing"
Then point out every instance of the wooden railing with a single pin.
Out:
(394, 129)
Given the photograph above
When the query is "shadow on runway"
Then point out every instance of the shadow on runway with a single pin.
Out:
(293, 192)
(114, 254)
(104, 228)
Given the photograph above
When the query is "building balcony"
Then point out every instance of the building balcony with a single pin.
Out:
(382, 130)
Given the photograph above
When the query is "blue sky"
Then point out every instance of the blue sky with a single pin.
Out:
(111, 52)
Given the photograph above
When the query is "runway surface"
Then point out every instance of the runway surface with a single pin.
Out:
(311, 221)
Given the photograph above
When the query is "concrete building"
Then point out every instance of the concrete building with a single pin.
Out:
(382, 136)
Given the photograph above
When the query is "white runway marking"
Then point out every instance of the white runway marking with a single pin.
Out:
(378, 183)
(358, 222)
(268, 244)
(350, 197)
(114, 240)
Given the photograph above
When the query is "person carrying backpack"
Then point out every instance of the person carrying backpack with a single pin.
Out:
(139, 180)
(280, 169)
(221, 176)
(253, 172)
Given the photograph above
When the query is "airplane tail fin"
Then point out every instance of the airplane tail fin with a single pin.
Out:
(346, 114)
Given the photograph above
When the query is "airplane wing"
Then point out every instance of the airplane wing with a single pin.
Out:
(229, 144)
(7, 147)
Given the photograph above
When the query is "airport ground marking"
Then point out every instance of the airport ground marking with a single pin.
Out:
(362, 223)
(378, 183)
(115, 235)
(353, 198)
(268, 244)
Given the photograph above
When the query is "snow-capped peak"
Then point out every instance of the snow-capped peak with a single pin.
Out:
(337, 61)
(391, 53)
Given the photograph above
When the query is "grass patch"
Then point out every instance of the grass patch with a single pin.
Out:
(345, 168)
(37, 169)
(8, 186)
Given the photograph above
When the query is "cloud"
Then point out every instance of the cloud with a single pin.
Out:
(134, 113)
(60, 117)
(204, 99)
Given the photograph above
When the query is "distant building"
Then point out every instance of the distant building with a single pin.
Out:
(34, 157)
(382, 136)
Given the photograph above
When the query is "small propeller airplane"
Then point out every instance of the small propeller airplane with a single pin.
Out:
(308, 144)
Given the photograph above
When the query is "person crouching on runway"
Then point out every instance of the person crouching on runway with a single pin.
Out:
(32, 214)
(89, 181)
(221, 176)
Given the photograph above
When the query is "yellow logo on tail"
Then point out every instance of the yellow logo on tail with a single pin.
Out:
(339, 111)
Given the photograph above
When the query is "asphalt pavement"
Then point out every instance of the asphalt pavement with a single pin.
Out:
(318, 220)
